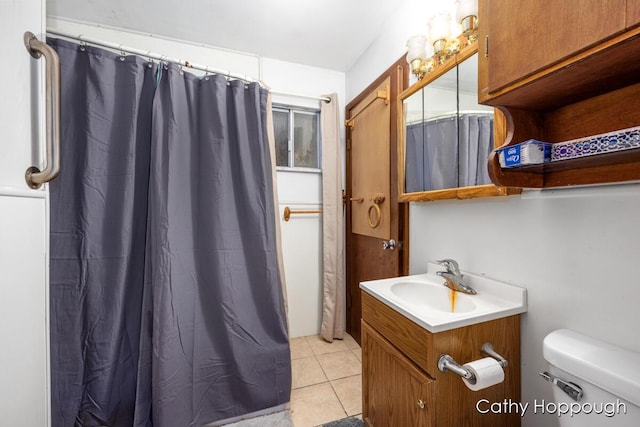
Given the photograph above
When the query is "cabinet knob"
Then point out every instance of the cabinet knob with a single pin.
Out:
(421, 403)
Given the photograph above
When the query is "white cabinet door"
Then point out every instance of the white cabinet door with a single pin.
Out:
(24, 328)
(23, 313)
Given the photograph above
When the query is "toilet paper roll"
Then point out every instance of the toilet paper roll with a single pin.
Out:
(487, 371)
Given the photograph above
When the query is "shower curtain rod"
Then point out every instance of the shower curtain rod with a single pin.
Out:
(153, 55)
(319, 98)
(181, 62)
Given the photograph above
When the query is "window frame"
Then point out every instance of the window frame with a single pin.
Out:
(292, 110)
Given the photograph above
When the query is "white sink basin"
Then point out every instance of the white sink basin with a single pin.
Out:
(434, 297)
(424, 299)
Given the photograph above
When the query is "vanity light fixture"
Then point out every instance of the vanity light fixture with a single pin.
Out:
(419, 54)
(424, 52)
(441, 35)
(467, 16)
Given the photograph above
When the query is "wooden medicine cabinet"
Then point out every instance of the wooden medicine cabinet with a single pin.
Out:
(575, 73)
(445, 136)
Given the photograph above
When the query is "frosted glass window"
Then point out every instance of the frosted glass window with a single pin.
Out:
(305, 139)
(281, 131)
(297, 137)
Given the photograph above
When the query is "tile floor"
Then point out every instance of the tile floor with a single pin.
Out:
(326, 380)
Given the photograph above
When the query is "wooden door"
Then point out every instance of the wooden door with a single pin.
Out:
(526, 37)
(370, 164)
(373, 212)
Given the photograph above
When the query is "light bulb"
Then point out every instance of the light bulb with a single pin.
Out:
(466, 8)
(440, 27)
(416, 48)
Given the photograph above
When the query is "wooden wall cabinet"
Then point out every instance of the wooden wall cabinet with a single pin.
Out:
(560, 71)
(402, 385)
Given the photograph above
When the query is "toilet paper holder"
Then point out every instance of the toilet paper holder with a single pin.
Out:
(448, 363)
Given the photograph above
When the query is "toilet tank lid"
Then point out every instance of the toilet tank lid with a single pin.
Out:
(612, 368)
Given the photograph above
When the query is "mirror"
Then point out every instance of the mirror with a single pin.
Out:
(446, 135)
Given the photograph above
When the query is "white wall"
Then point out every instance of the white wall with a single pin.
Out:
(302, 243)
(411, 18)
(238, 62)
(575, 250)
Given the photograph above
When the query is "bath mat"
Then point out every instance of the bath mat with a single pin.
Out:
(346, 422)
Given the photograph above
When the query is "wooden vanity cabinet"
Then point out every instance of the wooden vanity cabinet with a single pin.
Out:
(560, 71)
(402, 385)
(398, 393)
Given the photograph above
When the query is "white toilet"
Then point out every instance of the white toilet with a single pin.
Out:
(607, 375)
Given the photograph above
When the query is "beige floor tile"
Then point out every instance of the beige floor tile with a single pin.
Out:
(340, 365)
(305, 372)
(320, 346)
(349, 392)
(350, 342)
(358, 353)
(300, 348)
(315, 405)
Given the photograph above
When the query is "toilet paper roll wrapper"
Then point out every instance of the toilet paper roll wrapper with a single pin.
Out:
(487, 371)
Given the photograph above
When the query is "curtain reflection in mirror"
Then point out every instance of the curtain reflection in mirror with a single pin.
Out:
(433, 159)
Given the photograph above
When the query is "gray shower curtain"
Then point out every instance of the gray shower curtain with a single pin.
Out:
(448, 152)
(166, 305)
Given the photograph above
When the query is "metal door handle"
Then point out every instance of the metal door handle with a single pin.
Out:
(34, 176)
(388, 244)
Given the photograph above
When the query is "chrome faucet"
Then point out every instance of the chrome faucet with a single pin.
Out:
(453, 277)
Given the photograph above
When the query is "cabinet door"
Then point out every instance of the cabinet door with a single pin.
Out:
(526, 37)
(633, 13)
(395, 391)
(23, 312)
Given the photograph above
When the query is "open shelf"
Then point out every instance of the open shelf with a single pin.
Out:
(594, 94)
(598, 169)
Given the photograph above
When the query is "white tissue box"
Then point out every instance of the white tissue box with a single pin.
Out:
(530, 152)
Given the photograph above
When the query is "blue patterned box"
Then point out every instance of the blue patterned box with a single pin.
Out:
(625, 139)
(530, 152)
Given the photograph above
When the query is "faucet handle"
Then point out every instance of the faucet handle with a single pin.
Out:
(451, 265)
